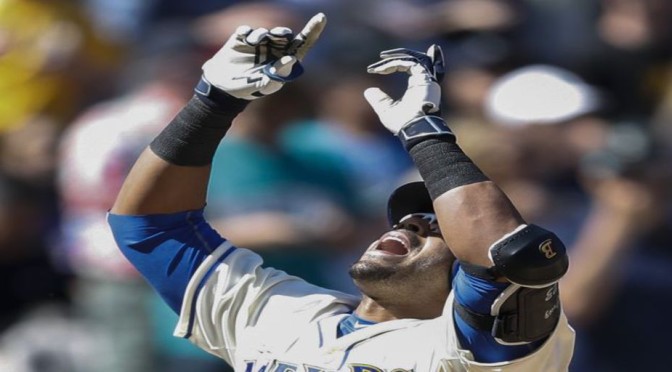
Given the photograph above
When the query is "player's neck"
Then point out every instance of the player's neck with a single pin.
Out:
(376, 311)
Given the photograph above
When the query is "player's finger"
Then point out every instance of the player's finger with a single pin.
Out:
(243, 31)
(436, 54)
(308, 36)
(388, 60)
(281, 31)
(238, 36)
(379, 100)
(257, 36)
(269, 86)
(280, 36)
(391, 65)
(423, 59)
(399, 52)
(285, 69)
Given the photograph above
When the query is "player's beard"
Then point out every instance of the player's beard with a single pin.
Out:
(379, 280)
(370, 272)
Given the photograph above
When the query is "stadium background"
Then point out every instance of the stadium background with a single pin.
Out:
(567, 104)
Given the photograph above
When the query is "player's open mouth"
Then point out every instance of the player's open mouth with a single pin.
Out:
(394, 243)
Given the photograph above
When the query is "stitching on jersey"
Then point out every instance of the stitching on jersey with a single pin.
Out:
(198, 234)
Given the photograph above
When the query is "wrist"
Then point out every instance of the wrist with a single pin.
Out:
(443, 165)
(423, 128)
(192, 137)
(218, 99)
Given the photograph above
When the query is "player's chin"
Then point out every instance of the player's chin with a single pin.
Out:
(366, 270)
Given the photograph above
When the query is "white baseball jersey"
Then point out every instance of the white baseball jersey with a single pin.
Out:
(263, 320)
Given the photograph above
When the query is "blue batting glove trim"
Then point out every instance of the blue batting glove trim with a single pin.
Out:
(297, 70)
(217, 98)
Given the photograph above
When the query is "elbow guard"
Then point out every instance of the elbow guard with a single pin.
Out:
(533, 260)
(530, 256)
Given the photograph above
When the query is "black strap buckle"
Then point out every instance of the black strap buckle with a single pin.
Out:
(421, 128)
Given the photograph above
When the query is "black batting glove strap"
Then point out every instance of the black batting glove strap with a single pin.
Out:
(192, 137)
(422, 128)
(216, 98)
(443, 165)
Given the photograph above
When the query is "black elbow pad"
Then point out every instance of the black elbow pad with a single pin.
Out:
(533, 260)
(530, 257)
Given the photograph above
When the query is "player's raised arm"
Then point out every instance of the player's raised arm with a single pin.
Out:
(472, 211)
(157, 219)
(172, 174)
(506, 286)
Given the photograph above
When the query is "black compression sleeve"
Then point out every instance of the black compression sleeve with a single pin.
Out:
(443, 165)
(192, 137)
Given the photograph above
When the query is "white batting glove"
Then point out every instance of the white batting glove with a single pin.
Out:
(423, 94)
(257, 62)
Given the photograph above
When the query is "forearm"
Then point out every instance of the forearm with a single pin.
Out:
(172, 174)
(473, 217)
(472, 210)
(154, 186)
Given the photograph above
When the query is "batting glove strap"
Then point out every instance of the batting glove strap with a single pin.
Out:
(272, 73)
(519, 315)
(217, 98)
(423, 128)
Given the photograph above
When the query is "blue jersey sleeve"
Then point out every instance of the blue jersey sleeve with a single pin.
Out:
(166, 249)
(478, 295)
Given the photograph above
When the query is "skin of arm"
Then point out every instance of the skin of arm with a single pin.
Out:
(155, 186)
(472, 217)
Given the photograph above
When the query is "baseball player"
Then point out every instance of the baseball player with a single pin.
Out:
(460, 282)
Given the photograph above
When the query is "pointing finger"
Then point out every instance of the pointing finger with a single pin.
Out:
(379, 100)
(257, 36)
(391, 65)
(308, 36)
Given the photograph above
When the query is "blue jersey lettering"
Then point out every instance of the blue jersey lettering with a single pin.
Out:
(364, 368)
(285, 367)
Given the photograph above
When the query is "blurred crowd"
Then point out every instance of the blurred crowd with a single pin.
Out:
(566, 104)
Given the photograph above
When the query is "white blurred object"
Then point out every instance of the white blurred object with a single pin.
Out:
(47, 340)
(539, 94)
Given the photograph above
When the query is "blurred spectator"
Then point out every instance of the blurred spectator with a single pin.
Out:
(347, 128)
(33, 310)
(632, 54)
(27, 152)
(47, 339)
(27, 278)
(290, 205)
(97, 152)
(619, 288)
(214, 29)
(50, 61)
(120, 21)
(193, 9)
(413, 20)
